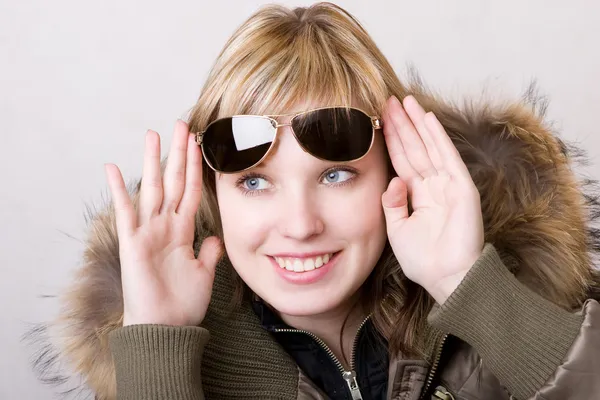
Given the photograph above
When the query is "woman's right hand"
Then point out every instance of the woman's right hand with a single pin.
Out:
(163, 282)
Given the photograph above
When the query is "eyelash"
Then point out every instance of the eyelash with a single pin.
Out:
(240, 181)
(344, 169)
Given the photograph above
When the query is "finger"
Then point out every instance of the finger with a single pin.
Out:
(151, 191)
(124, 211)
(417, 115)
(174, 179)
(395, 203)
(396, 151)
(450, 157)
(411, 141)
(192, 193)
(210, 252)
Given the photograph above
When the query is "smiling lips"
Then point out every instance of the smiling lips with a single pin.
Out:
(303, 264)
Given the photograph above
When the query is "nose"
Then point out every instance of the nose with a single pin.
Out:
(300, 218)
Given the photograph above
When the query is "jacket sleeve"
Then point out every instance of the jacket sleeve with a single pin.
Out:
(536, 349)
(158, 362)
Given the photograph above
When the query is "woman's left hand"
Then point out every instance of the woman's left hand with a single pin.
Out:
(441, 239)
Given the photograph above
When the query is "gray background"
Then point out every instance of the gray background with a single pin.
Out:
(81, 81)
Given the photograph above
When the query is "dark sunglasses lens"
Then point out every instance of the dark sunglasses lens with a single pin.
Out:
(236, 143)
(334, 134)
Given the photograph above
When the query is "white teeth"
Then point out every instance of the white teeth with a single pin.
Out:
(319, 262)
(298, 266)
(305, 264)
(309, 264)
(288, 265)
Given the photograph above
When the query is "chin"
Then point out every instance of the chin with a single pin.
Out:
(305, 304)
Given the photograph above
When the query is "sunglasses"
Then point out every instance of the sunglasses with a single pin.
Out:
(237, 143)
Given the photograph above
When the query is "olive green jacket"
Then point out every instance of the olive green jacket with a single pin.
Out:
(513, 342)
(521, 323)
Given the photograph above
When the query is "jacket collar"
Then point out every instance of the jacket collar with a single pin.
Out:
(529, 195)
(269, 320)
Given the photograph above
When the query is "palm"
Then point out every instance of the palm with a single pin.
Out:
(169, 293)
(163, 282)
(443, 235)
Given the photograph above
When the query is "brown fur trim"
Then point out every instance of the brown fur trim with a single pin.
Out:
(536, 213)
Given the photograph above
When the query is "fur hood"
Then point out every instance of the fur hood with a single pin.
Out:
(539, 216)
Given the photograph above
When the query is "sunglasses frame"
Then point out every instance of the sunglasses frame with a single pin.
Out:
(376, 123)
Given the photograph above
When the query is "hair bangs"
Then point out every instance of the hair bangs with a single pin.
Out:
(308, 69)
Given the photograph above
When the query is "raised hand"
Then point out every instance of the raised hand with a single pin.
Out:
(163, 282)
(442, 238)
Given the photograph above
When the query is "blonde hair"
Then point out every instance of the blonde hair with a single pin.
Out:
(320, 54)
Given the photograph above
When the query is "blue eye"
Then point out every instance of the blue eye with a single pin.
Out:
(337, 176)
(254, 183)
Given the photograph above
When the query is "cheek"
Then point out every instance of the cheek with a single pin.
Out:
(242, 218)
(357, 213)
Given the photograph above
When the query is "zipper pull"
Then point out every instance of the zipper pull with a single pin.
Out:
(442, 393)
(350, 378)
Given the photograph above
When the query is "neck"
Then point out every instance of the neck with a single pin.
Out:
(341, 322)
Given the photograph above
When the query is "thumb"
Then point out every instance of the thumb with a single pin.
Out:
(210, 252)
(395, 202)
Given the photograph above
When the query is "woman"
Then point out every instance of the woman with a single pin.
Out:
(377, 251)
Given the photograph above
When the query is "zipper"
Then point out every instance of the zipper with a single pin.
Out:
(434, 367)
(348, 376)
(443, 394)
(355, 345)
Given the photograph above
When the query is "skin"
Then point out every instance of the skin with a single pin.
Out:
(289, 204)
(436, 244)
